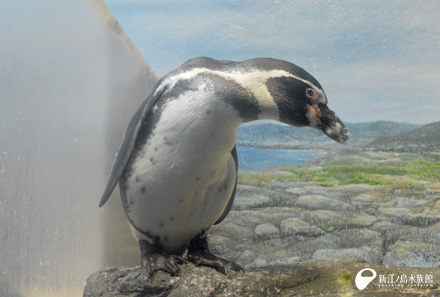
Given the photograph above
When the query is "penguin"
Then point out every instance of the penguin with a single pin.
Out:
(177, 165)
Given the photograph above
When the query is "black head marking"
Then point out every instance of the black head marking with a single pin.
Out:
(268, 64)
(289, 95)
(234, 94)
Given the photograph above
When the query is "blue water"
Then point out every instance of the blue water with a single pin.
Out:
(259, 159)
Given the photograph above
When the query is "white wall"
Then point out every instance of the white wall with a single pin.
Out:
(70, 80)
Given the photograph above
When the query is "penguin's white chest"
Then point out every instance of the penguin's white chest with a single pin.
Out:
(179, 180)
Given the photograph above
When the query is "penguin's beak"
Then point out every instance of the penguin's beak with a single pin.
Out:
(329, 123)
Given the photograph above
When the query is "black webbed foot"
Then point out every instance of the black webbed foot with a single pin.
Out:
(199, 254)
(153, 259)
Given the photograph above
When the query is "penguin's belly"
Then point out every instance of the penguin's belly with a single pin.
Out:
(182, 176)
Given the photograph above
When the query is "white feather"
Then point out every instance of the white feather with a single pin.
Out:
(182, 180)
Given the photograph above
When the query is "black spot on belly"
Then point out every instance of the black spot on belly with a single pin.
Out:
(138, 179)
(143, 189)
(197, 178)
(171, 218)
(208, 112)
(161, 224)
(153, 161)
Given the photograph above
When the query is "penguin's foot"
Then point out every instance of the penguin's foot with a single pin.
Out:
(153, 259)
(205, 258)
(199, 254)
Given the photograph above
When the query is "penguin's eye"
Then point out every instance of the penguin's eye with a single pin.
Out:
(311, 93)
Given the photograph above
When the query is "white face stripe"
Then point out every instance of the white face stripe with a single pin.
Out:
(254, 81)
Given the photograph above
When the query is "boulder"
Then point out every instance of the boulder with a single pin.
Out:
(334, 277)
(297, 226)
(266, 229)
(313, 202)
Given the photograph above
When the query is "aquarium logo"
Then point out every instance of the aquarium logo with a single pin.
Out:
(363, 281)
(395, 280)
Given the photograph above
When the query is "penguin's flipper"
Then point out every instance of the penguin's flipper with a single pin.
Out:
(127, 147)
(231, 200)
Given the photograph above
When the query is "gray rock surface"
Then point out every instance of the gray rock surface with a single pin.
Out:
(320, 202)
(412, 254)
(304, 221)
(335, 277)
(370, 256)
(266, 229)
(297, 226)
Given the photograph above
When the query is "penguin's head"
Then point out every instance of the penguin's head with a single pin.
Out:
(302, 102)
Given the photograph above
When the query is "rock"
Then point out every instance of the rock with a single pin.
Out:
(308, 247)
(266, 229)
(431, 234)
(246, 257)
(364, 244)
(253, 218)
(220, 244)
(358, 189)
(412, 216)
(249, 197)
(391, 232)
(359, 238)
(367, 200)
(333, 277)
(312, 189)
(249, 202)
(195, 281)
(335, 220)
(320, 202)
(296, 191)
(299, 227)
(370, 256)
(412, 254)
(232, 231)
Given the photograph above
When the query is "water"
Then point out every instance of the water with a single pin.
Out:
(259, 159)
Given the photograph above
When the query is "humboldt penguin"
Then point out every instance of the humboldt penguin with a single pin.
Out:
(177, 165)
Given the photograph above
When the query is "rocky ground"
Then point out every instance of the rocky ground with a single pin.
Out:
(334, 277)
(288, 222)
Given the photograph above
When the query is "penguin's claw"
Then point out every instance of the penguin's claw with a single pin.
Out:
(159, 261)
(205, 258)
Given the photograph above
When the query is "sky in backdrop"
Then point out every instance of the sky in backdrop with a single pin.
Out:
(376, 60)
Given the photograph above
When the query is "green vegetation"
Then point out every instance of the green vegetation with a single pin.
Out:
(404, 176)
(345, 278)
(256, 179)
(329, 224)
